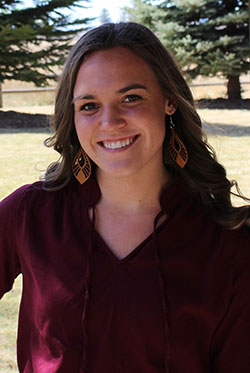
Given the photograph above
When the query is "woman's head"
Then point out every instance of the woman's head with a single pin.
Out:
(119, 113)
(141, 41)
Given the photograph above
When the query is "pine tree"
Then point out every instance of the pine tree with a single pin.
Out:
(207, 37)
(35, 40)
(142, 11)
(104, 16)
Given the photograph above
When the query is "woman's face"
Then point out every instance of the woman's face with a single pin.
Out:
(119, 112)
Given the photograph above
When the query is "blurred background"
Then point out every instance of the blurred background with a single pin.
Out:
(209, 39)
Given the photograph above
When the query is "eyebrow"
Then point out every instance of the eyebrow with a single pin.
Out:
(122, 90)
(132, 86)
(83, 97)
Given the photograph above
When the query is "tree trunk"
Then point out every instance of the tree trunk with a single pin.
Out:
(1, 96)
(233, 88)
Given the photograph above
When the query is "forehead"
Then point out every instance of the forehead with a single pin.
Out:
(113, 64)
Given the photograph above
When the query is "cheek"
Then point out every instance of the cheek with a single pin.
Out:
(84, 128)
(159, 131)
(80, 121)
(156, 123)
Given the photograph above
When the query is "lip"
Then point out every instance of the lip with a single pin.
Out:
(119, 144)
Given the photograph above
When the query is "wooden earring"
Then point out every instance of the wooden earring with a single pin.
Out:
(177, 149)
(81, 166)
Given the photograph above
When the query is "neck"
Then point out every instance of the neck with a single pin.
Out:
(134, 193)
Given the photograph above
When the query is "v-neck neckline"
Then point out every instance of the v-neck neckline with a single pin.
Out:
(133, 253)
(171, 197)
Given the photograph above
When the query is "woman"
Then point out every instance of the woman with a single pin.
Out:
(138, 262)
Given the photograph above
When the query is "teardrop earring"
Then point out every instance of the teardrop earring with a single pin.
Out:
(81, 166)
(177, 149)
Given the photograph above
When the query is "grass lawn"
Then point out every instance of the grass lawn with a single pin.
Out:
(229, 135)
(23, 159)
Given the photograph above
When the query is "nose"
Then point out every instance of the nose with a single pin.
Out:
(111, 118)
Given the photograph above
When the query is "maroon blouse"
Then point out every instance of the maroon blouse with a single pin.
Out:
(179, 302)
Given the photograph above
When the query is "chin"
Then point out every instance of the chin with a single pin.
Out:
(118, 171)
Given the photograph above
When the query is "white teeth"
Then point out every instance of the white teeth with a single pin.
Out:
(117, 144)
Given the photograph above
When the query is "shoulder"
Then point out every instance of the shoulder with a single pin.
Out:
(189, 216)
(26, 195)
(237, 243)
(17, 198)
(35, 197)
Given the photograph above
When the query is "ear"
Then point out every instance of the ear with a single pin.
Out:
(170, 106)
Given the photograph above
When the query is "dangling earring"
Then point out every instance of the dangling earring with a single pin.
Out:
(81, 166)
(177, 149)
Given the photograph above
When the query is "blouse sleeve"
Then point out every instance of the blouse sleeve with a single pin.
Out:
(9, 261)
(231, 347)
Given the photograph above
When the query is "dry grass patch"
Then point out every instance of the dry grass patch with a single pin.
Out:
(23, 158)
(229, 135)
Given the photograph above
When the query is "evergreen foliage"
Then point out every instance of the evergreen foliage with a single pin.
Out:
(35, 40)
(208, 37)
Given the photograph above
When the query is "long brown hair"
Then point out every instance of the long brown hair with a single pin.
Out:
(202, 174)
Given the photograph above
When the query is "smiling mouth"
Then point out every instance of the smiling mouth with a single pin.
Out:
(119, 144)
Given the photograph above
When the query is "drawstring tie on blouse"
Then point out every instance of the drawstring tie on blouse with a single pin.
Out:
(161, 286)
(86, 291)
(162, 291)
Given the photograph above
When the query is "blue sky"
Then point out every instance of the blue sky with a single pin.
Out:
(113, 6)
(95, 7)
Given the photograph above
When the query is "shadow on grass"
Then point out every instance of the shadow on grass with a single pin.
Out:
(230, 130)
(223, 103)
(26, 130)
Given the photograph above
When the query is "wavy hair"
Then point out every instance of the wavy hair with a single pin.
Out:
(202, 174)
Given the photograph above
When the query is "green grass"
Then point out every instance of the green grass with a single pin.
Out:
(23, 159)
(232, 143)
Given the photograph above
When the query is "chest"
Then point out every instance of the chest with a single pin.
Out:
(125, 317)
(124, 233)
(126, 307)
